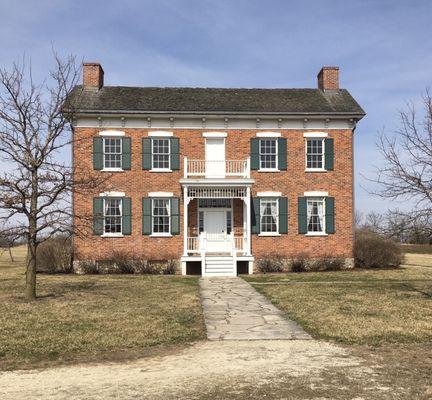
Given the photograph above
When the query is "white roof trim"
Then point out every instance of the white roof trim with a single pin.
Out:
(160, 134)
(315, 134)
(269, 194)
(215, 134)
(316, 194)
(161, 194)
(112, 194)
(269, 134)
(111, 133)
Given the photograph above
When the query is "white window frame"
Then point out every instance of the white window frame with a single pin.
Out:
(275, 233)
(153, 168)
(112, 137)
(322, 139)
(276, 169)
(161, 234)
(113, 234)
(323, 231)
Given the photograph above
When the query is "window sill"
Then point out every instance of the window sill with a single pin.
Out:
(315, 170)
(112, 235)
(269, 234)
(161, 235)
(269, 170)
(160, 170)
(316, 234)
(112, 170)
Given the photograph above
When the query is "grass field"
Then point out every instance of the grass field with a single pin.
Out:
(417, 248)
(361, 306)
(93, 318)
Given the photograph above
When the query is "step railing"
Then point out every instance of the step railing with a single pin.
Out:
(199, 244)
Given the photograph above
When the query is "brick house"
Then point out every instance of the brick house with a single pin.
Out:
(215, 178)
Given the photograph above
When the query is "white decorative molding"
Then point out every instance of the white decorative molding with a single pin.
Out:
(160, 134)
(215, 135)
(161, 194)
(269, 194)
(315, 134)
(111, 133)
(112, 194)
(269, 134)
(316, 194)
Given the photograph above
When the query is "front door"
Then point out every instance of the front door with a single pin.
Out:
(215, 158)
(216, 232)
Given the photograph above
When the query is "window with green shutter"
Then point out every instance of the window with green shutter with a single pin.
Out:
(255, 217)
(146, 216)
(175, 154)
(330, 215)
(146, 153)
(282, 154)
(175, 216)
(126, 216)
(283, 215)
(329, 154)
(302, 215)
(98, 216)
(316, 215)
(126, 153)
(97, 153)
(254, 153)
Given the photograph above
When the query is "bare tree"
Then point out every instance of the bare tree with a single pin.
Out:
(35, 187)
(8, 239)
(407, 170)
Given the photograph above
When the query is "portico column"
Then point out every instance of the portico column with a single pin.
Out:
(185, 220)
(248, 221)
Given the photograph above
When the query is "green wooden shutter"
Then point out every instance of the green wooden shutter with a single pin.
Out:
(283, 215)
(146, 216)
(98, 215)
(282, 154)
(254, 153)
(126, 216)
(126, 153)
(255, 217)
(146, 153)
(329, 154)
(175, 154)
(175, 216)
(97, 153)
(330, 214)
(302, 215)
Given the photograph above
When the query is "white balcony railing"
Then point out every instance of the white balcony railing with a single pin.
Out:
(209, 242)
(216, 168)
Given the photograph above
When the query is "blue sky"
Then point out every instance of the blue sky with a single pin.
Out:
(383, 49)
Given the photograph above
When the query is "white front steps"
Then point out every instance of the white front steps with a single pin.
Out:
(219, 266)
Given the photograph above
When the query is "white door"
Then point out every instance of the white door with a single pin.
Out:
(215, 158)
(215, 228)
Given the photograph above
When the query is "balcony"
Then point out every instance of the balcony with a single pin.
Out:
(217, 168)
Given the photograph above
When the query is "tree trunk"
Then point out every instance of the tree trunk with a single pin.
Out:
(10, 254)
(32, 240)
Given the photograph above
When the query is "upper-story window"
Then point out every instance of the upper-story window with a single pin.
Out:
(315, 154)
(161, 153)
(269, 213)
(268, 153)
(315, 215)
(112, 153)
(112, 214)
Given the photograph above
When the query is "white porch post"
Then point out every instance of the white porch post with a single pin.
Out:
(185, 220)
(248, 221)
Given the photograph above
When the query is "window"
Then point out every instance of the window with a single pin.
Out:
(214, 203)
(315, 215)
(160, 154)
(229, 222)
(161, 216)
(112, 152)
(268, 152)
(201, 221)
(112, 215)
(314, 154)
(269, 211)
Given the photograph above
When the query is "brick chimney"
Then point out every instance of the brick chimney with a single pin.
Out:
(93, 76)
(328, 78)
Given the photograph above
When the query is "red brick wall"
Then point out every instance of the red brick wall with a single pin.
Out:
(328, 78)
(93, 75)
(292, 183)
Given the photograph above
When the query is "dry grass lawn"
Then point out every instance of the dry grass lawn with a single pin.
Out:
(91, 318)
(369, 307)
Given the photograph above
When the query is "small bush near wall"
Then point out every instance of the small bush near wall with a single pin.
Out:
(270, 264)
(54, 256)
(300, 263)
(374, 251)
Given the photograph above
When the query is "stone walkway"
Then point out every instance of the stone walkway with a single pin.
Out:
(234, 310)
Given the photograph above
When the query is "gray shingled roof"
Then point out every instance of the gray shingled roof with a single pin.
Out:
(120, 99)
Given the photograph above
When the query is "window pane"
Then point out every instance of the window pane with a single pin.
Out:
(268, 153)
(161, 216)
(112, 153)
(112, 216)
(314, 153)
(160, 153)
(269, 215)
(315, 215)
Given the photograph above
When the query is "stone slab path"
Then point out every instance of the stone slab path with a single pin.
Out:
(234, 310)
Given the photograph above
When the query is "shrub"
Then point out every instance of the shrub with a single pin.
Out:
(123, 263)
(88, 267)
(300, 263)
(329, 263)
(55, 255)
(271, 264)
(374, 251)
